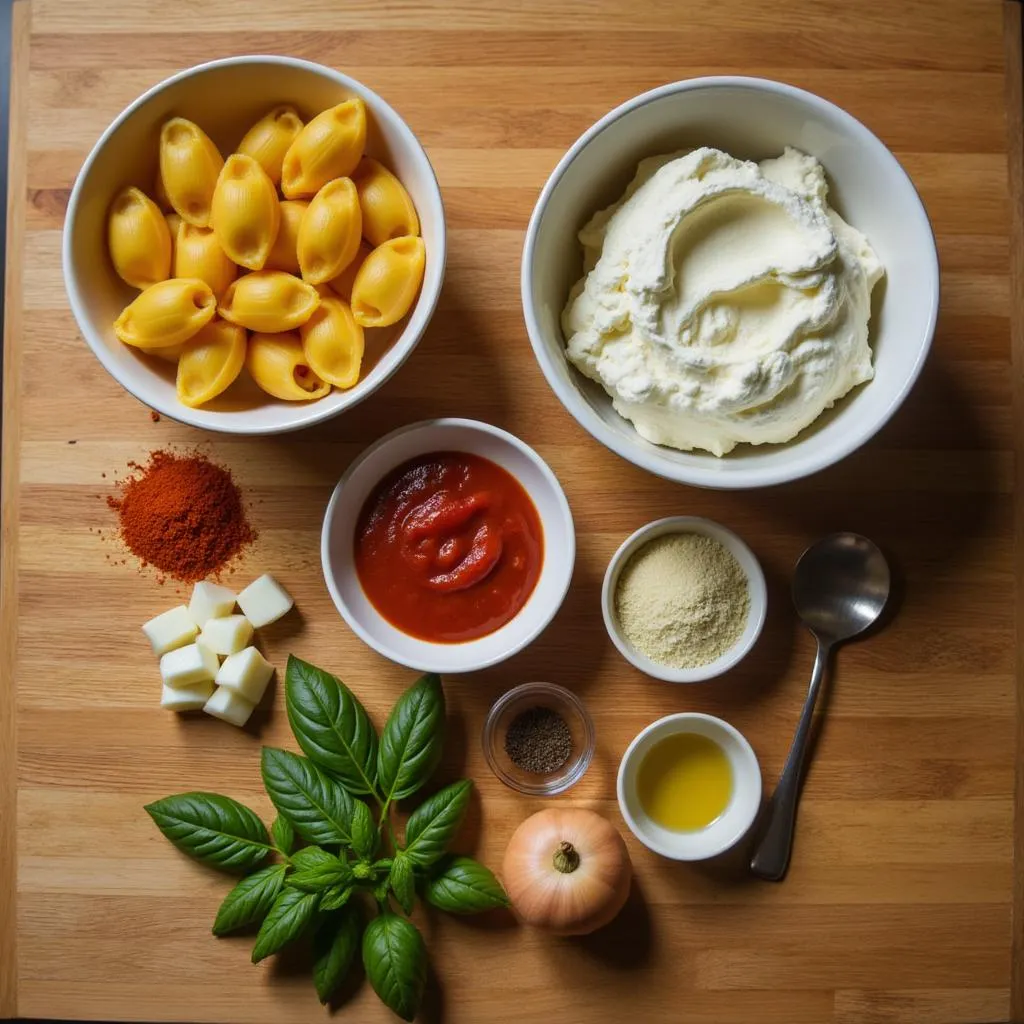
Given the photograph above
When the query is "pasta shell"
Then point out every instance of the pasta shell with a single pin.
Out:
(173, 223)
(333, 342)
(189, 166)
(197, 253)
(160, 193)
(138, 239)
(269, 301)
(166, 313)
(170, 353)
(277, 363)
(210, 362)
(268, 139)
(330, 231)
(329, 147)
(342, 284)
(246, 213)
(388, 282)
(387, 208)
(284, 253)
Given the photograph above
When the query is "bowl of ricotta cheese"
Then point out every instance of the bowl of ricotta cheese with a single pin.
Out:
(730, 282)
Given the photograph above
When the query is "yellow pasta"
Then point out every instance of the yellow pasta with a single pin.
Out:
(284, 253)
(189, 166)
(197, 253)
(166, 313)
(277, 364)
(342, 284)
(387, 208)
(333, 342)
(330, 231)
(173, 223)
(329, 147)
(245, 214)
(170, 353)
(269, 301)
(138, 239)
(210, 362)
(268, 139)
(387, 283)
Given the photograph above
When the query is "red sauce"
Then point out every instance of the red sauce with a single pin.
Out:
(448, 547)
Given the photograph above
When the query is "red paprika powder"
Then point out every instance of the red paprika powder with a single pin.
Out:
(182, 514)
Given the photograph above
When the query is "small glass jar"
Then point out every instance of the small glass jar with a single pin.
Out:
(523, 698)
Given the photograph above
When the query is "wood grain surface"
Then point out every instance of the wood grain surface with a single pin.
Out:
(899, 903)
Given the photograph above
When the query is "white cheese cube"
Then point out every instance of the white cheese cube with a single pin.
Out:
(188, 665)
(210, 601)
(227, 635)
(171, 630)
(247, 673)
(264, 601)
(228, 706)
(187, 698)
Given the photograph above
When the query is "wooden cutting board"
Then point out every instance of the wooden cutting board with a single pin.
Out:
(901, 901)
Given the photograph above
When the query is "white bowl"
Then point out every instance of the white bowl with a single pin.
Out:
(750, 118)
(755, 585)
(733, 823)
(224, 98)
(337, 544)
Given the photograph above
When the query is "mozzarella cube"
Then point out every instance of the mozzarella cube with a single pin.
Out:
(188, 665)
(264, 601)
(229, 706)
(187, 698)
(247, 673)
(171, 630)
(210, 601)
(228, 635)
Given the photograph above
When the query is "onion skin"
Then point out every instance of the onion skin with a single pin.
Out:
(567, 871)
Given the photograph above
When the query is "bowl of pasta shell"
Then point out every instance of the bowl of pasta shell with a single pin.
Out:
(254, 245)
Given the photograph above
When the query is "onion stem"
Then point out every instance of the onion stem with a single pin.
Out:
(566, 859)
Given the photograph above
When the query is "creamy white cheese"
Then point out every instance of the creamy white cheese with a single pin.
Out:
(723, 300)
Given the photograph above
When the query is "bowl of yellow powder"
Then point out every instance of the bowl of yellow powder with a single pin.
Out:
(684, 599)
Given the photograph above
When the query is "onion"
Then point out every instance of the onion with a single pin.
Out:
(567, 871)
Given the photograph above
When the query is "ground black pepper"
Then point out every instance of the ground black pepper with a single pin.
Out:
(538, 740)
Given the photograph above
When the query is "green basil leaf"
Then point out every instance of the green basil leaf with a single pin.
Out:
(395, 959)
(317, 805)
(289, 917)
(335, 944)
(212, 828)
(283, 835)
(250, 900)
(314, 870)
(461, 885)
(336, 897)
(365, 837)
(403, 882)
(412, 740)
(432, 826)
(331, 726)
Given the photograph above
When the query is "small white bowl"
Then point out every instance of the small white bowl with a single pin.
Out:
(755, 583)
(337, 544)
(733, 823)
(224, 98)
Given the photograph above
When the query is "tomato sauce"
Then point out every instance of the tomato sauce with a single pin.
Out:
(448, 547)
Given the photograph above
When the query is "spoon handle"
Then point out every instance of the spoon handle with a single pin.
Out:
(771, 858)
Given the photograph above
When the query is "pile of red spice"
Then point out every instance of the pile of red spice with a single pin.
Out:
(182, 514)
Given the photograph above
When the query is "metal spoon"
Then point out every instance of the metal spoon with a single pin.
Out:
(840, 587)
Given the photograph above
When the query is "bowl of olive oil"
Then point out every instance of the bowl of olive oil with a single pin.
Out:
(689, 786)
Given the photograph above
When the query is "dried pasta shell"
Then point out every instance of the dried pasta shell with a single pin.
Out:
(209, 363)
(329, 147)
(330, 231)
(171, 353)
(246, 213)
(388, 210)
(269, 301)
(173, 223)
(284, 254)
(138, 239)
(333, 342)
(268, 139)
(342, 284)
(277, 364)
(388, 282)
(189, 166)
(160, 193)
(197, 253)
(166, 313)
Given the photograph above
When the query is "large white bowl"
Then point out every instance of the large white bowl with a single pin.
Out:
(337, 544)
(224, 98)
(750, 118)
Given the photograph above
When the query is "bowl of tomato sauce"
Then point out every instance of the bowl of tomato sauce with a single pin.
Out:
(448, 545)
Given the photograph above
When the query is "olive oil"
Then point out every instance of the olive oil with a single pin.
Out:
(685, 782)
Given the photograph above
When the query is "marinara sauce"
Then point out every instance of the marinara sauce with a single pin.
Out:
(448, 547)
